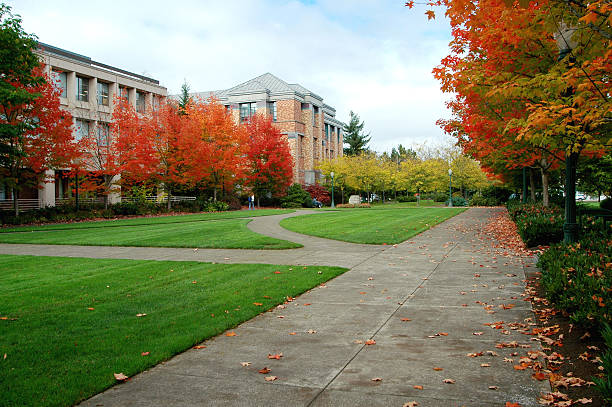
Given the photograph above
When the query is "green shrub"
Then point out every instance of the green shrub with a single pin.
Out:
(406, 198)
(458, 201)
(604, 384)
(537, 224)
(437, 197)
(606, 204)
(479, 200)
(296, 198)
(577, 278)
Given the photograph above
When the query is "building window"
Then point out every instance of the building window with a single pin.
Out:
(103, 134)
(247, 110)
(228, 109)
(123, 93)
(82, 89)
(272, 109)
(315, 111)
(2, 192)
(82, 129)
(140, 102)
(103, 93)
(326, 131)
(305, 106)
(61, 82)
(338, 137)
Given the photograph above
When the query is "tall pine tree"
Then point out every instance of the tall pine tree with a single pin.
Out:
(354, 137)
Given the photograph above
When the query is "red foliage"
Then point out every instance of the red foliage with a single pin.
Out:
(269, 161)
(319, 192)
(46, 141)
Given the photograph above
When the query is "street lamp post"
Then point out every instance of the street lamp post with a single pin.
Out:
(450, 188)
(565, 44)
(332, 177)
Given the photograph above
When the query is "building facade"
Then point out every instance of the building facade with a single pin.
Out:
(88, 90)
(312, 131)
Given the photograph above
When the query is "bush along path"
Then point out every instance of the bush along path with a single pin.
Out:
(440, 319)
(571, 299)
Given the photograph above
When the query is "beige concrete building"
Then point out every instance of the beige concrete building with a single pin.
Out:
(88, 92)
(310, 125)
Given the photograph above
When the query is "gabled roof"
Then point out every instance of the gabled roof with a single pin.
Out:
(265, 83)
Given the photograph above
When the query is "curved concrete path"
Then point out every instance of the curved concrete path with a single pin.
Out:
(427, 303)
(316, 251)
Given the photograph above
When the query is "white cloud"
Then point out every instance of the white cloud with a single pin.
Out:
(372, 57)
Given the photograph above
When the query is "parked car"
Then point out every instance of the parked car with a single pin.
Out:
(580, 196)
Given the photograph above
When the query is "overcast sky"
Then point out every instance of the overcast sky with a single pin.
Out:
(371, 56)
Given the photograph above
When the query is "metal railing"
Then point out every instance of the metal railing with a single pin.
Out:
(24, 204)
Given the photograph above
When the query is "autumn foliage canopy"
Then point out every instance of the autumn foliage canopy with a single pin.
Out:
(530, 79)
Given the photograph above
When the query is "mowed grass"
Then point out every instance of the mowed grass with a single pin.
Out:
(370, 226)
(149, 220)
(68, 324)
(203, 231)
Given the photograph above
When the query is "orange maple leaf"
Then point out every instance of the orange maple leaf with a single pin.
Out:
(431, 15)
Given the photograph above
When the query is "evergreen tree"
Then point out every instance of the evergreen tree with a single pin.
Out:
(354, 137)
(184, 98)
(402, 154)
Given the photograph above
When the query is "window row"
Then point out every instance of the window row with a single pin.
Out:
(86, 128)
(102, 91)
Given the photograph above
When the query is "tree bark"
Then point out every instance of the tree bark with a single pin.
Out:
(169, 192)
(532, 185)
(15, 201)
(545, 196)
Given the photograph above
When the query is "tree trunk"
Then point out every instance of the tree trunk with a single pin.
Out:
(215, 194)
(15, 201)
(545, 196)
(532, 185)
(342, 191)
(169, 193)
(258, 206)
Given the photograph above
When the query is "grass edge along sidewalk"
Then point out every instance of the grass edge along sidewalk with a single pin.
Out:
(147, 220)
(370, 226)
(68, 324)
(212, 234)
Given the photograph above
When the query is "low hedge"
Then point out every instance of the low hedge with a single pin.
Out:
(577, 278)
(537, 224)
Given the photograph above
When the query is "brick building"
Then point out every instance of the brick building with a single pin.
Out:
(310, 125)
(88, 91)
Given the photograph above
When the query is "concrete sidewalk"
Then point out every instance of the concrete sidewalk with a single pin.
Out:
(439, 280)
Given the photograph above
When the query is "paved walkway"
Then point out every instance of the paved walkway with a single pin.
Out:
(448, 282)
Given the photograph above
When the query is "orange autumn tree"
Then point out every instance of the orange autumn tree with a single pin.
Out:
(220, 153)
(269, 161)
(526, 83)
(150, 146)
(38, 135)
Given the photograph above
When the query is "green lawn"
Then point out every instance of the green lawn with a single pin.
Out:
(154, 220)
(204, 231)
(59, 351)
(377, 225)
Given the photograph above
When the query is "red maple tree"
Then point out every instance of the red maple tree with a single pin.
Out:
(269, 161)
(43, 138)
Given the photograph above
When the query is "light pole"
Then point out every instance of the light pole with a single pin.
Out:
(450, 188)
(332, 177)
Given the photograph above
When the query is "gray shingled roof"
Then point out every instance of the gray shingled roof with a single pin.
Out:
(264, 83)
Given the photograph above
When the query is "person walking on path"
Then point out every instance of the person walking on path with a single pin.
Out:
(251, 202)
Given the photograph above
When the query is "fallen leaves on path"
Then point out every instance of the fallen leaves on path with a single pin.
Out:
(231, 334)
(276, 356)
(449, 381)
(418, 387)
(271, 378)
(265, 370)
(411, 404)
(120, 377)
(199, 347)
(376, 379)
(370, 342)
(245, 364)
